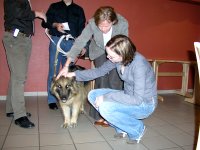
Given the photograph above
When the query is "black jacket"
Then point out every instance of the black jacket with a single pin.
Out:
(18, 14)
(59, 12)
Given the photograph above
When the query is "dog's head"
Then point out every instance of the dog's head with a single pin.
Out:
(64, 88)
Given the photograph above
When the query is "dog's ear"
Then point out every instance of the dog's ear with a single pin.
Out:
(53, 79)
(74, 85)
(73, 79)
(52, 84)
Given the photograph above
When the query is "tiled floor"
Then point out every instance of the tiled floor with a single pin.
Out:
(173, 126)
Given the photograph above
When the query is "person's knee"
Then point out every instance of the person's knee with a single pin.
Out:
(91, 97)
(19, 79)
(105, 109)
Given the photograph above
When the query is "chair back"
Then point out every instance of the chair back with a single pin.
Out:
(197, 52)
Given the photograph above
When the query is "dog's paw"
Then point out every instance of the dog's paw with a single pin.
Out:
(65, 125)
(73, 125)
(82, 112)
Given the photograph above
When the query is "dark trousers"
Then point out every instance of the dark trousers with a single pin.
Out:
(110, 80)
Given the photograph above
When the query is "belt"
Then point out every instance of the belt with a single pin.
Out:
(69, 39)
(20, 33)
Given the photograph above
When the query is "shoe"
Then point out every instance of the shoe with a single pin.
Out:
(105, 124)
(141, 135)
(98, 123)
(53, 106)
(24, 122)
(101, 123)
(134, 141)
(120, 135)
(12, 114)
(131, 141)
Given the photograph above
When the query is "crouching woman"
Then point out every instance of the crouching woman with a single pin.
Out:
(123, 109)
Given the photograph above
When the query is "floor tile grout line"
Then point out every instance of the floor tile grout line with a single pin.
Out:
(7, 133)
(142, 144)
(163, 135)
(99, 132)
(106, 139)
(169, 123)
(38, 121)
(72, 139)
(173, 125)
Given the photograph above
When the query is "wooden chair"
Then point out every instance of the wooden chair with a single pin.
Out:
(197, 52)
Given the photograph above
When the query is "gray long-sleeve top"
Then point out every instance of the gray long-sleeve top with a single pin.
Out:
(92, 32)
(139, 81)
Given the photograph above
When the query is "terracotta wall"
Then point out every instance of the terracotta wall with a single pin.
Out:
(160, 30)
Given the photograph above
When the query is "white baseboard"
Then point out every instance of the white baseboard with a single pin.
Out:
(35, 94)
(3, 97)
(171, 91)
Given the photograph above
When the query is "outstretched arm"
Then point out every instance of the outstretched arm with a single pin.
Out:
(65, 69)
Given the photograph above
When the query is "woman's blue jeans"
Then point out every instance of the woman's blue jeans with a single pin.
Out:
(124, 118)
(64, 45)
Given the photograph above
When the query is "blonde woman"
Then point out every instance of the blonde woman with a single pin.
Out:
(105, 24)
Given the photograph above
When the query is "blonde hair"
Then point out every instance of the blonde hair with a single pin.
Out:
(122, 46)
(105, 13)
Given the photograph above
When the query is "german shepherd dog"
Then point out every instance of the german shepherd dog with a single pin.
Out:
(71, 96)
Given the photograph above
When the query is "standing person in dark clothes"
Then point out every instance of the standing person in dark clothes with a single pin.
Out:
(59, 14)
(17, 42)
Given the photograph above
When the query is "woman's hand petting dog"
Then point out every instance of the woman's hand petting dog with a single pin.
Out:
(70, 74)
(98, 101)
(63, 72)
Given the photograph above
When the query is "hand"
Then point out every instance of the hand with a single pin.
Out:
(41, 15)
(63, 72)
(83, 51)
(59, 27)
(70, 74)
(98, 101)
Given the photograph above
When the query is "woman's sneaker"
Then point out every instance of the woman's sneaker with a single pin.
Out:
(120, 135)
(134, 141)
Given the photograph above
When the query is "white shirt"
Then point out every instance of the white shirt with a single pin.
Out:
(107, 36)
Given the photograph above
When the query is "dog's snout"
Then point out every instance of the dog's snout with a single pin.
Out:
(63, 98)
